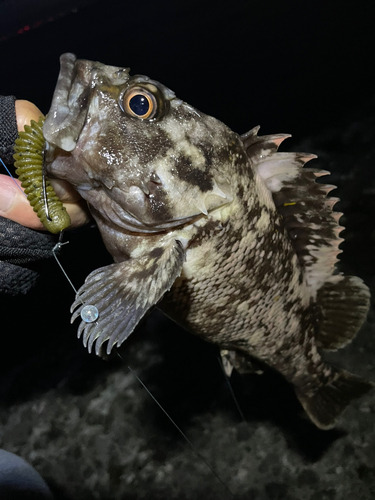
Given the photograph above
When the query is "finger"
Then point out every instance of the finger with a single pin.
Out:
(79, 213)
(64, 191)
(25, 112)
(15, 206)
(75, 206)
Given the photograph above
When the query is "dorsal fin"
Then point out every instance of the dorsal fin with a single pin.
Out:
(313, 228)
(307, 212)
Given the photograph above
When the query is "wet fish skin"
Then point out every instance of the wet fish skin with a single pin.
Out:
(230, 238)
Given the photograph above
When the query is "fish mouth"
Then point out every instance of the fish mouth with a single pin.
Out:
(128, 222)
(66, 117)
(68, 111)
(104, 207)
(112, 204)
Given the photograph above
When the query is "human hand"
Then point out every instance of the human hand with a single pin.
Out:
(15, 206)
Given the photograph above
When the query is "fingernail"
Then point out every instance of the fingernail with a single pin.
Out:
(7, 195)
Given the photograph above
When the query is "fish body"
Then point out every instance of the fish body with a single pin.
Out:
(230, 238)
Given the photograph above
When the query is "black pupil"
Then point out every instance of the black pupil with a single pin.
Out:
(139, 105)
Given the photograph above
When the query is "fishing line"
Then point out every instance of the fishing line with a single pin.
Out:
(201, 457)
(89, 313)
(54, 250)
(13, 179)
(231, 390)
(57, 247)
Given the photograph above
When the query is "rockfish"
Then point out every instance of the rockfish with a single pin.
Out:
(229, 237)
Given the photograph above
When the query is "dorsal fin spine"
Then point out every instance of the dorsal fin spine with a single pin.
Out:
(307, 213)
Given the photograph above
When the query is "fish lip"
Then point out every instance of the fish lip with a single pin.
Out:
(77, 80)
(118, 214)
(67, 115)
(130, 223)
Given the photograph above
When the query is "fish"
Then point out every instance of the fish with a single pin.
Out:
(231, 238)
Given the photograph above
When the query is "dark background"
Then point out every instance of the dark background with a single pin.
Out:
(305, 68)
(287, 65)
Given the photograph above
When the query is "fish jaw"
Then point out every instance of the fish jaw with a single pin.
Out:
(68, 111)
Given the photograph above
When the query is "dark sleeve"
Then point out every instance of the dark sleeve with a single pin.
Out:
(22, 250)
(8, 128)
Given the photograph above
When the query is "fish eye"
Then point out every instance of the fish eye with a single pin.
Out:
(140, 103)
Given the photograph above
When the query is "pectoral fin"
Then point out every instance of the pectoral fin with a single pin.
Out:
(124, 292)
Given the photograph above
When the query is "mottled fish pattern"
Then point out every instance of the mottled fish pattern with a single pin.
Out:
(234, 240)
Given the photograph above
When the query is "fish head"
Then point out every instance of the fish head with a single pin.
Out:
(143, 159)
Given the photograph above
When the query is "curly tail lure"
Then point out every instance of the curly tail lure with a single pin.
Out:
(28, 157)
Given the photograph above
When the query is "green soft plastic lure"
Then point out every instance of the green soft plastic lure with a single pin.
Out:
(29, 163)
